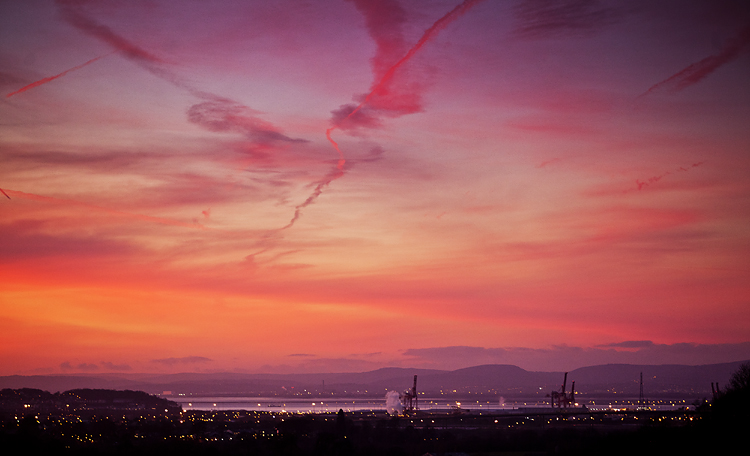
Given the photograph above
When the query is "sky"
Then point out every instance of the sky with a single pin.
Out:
(303, 186)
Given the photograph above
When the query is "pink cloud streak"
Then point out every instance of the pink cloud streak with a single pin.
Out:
(66, 202)
(52, 78)
(698, 71)
(378, 88)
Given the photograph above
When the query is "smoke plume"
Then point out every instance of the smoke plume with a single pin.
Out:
(393, 403)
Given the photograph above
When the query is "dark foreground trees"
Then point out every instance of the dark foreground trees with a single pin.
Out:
(732, 406)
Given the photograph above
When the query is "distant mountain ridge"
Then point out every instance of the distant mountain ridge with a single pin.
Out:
(491, 379)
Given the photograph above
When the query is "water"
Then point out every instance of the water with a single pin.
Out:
(276, 404)
(349, 404)
(306, 405)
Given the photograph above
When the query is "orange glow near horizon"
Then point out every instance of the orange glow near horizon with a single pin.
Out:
(297, 189)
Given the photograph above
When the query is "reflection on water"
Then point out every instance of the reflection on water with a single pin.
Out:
(308, 405)
(294, 405)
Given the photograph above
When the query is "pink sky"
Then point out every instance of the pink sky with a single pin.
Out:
(547, 184)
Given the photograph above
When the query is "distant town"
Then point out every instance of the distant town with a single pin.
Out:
(102, 421)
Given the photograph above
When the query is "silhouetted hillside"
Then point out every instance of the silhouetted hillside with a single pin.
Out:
(14, 401)
(487, 379)
(662, 377)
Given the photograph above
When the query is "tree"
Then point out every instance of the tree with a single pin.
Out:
(734, 403)
(740, 380)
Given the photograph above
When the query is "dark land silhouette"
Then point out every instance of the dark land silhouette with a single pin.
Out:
(493, 379)
(93, 422)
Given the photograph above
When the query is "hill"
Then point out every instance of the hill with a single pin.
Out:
(493, 379)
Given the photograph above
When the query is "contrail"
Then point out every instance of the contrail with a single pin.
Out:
(251, 126)
(695, 72)
(6, 195)
(52, 78)
(332, 176)
(104, 33)
(430, 33)
(651, 180)
(131, 51)
(215, 113)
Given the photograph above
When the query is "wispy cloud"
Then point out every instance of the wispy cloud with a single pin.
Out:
(696, 72)
(384, 22)
(52, 78)
(116, 367)
(82, 367)
(628, 344)
(653, 179)
(308, 364)
(215, 113)
(225, 115)
(130, 215)
(26, 240)
(389, 95)
(564, 357)
(554, 18)
(183, 360)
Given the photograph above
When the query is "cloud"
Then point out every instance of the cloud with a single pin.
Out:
(332, 175)
(348, 117)
(549, 162)
(72, 14)
(383, 20)
(653, 179)
(116, 367)
(629, 344)
(85, 206)
(184, 360)
(393, 93)
(698, 71)
(9, 79)
(216, 113)
(458, 354)
(101, 161)
(23, 240)
(553, 126)
(367, 355)
(225, 115)
(165, 184)
(317, 365)
(52, 78)
(86, 367)
(564, 357)
(555, 18)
